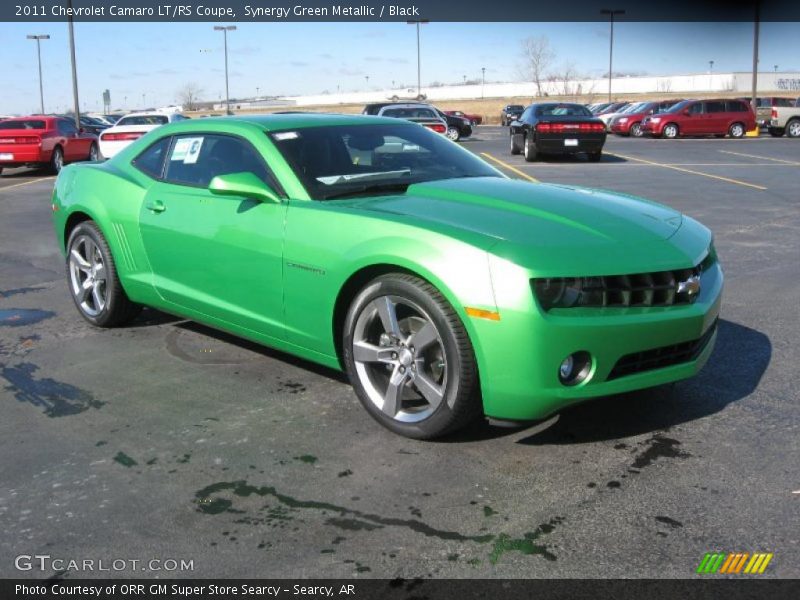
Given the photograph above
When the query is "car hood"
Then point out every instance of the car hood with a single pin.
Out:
(584, 230)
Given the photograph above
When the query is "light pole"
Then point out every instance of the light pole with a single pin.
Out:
(225, 31)
(367, 78)
(775, 68)
(710, 75)
(74, 67)
(418, 22)
(38, 39)
(611, 12)
(257, 88)
(483, 80)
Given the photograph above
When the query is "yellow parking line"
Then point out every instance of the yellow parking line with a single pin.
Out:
(682, 170)
(509, 167)
(16, 185)
(780, 160)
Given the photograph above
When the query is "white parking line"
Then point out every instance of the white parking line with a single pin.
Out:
(16, 185)
(778, 160)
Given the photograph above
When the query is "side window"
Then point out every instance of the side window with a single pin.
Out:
(526, 116)
(696, 108)
(196, 159)
(715, 106)
(151, 161)
(66, 127)
(736, 106)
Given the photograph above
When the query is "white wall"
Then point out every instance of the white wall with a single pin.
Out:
(787, 84)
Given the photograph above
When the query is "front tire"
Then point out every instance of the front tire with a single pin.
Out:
(670, 131)
(453, 134)
(409, 358)
(530, 149)
(57, 160)
(636, 130)
(93, 281)
(736, 130)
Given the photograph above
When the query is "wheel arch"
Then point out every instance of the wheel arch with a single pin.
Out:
(366, 273)
(73, 220)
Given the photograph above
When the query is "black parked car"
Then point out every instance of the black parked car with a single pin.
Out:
(457, 127)
(558, 128)
(511, 112)
(88, 124)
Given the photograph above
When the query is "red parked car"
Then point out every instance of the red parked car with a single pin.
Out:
(473, 119)
(702, 117)
(40, 141)
(630, 122)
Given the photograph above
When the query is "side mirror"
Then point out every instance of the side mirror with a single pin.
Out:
(242, 184)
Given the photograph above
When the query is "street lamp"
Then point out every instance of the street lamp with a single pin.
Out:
(418, 22)
(710, 75)
(483, 80)
(775, 67)
(225, 31)
(38, 39)
(611, 12)
(367, 78)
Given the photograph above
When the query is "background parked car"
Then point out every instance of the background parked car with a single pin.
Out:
(702, 117)
(473, 119)
(511, 112)
(39, 141)
(457, 127)
(423, 114)
(606, 116)
(785, 119)
(131, 127)
(630, 121)
(408, 94)
(558, 128)
(764, 107)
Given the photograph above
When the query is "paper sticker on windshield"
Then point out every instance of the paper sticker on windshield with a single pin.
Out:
(187, 150)
(285, 135)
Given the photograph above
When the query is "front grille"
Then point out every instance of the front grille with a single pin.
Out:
(659, 288)
(657, 358)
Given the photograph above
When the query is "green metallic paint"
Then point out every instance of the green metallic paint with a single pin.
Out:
(273, 271)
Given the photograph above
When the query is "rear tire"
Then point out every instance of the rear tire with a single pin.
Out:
(793, 128)
(776, 131)
(530, 149)
(409, 358)
(737, 130)
(515, 149)
(57, 160)
(595, 156)
(93, 281)
(94, 153)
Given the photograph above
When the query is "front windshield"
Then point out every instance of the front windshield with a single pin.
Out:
(632, 108)
(677, 107)
(351, 160)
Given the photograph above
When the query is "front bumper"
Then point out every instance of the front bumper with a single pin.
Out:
(648, 127)
(519, 355)
(620, 128)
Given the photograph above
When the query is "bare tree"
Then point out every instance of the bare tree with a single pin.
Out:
(537, 57)
(189, 95)
(566, 80)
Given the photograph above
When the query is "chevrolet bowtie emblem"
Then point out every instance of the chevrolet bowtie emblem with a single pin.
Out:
(690, 287)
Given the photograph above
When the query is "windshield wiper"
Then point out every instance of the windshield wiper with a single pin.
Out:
(366, 190)
(348, 177)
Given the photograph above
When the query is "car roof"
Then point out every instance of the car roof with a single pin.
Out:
(278, 122)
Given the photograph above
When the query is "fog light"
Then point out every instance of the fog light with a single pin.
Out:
(575, 368)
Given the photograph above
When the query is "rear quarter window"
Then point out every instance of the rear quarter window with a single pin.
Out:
(151, 161)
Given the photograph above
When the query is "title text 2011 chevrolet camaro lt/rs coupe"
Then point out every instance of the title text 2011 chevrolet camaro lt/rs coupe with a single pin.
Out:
(445, 290)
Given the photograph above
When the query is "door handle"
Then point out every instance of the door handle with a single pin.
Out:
(157, 206)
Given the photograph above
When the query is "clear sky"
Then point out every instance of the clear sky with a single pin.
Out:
(155, 59)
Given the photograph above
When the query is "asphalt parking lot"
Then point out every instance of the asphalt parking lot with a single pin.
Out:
(168, 440)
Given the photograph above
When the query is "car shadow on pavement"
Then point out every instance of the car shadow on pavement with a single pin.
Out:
(265, 351)
(733, 372)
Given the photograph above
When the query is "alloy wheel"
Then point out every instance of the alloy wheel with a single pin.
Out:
(87, 272)
(636, 130)
(58, 160)
(400, 358)
(671, 131)
(452, 133)
(93, 157)
(737, 130)
(793, 130)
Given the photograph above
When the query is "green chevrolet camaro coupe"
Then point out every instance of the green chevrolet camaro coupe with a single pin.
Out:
(444, 289)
